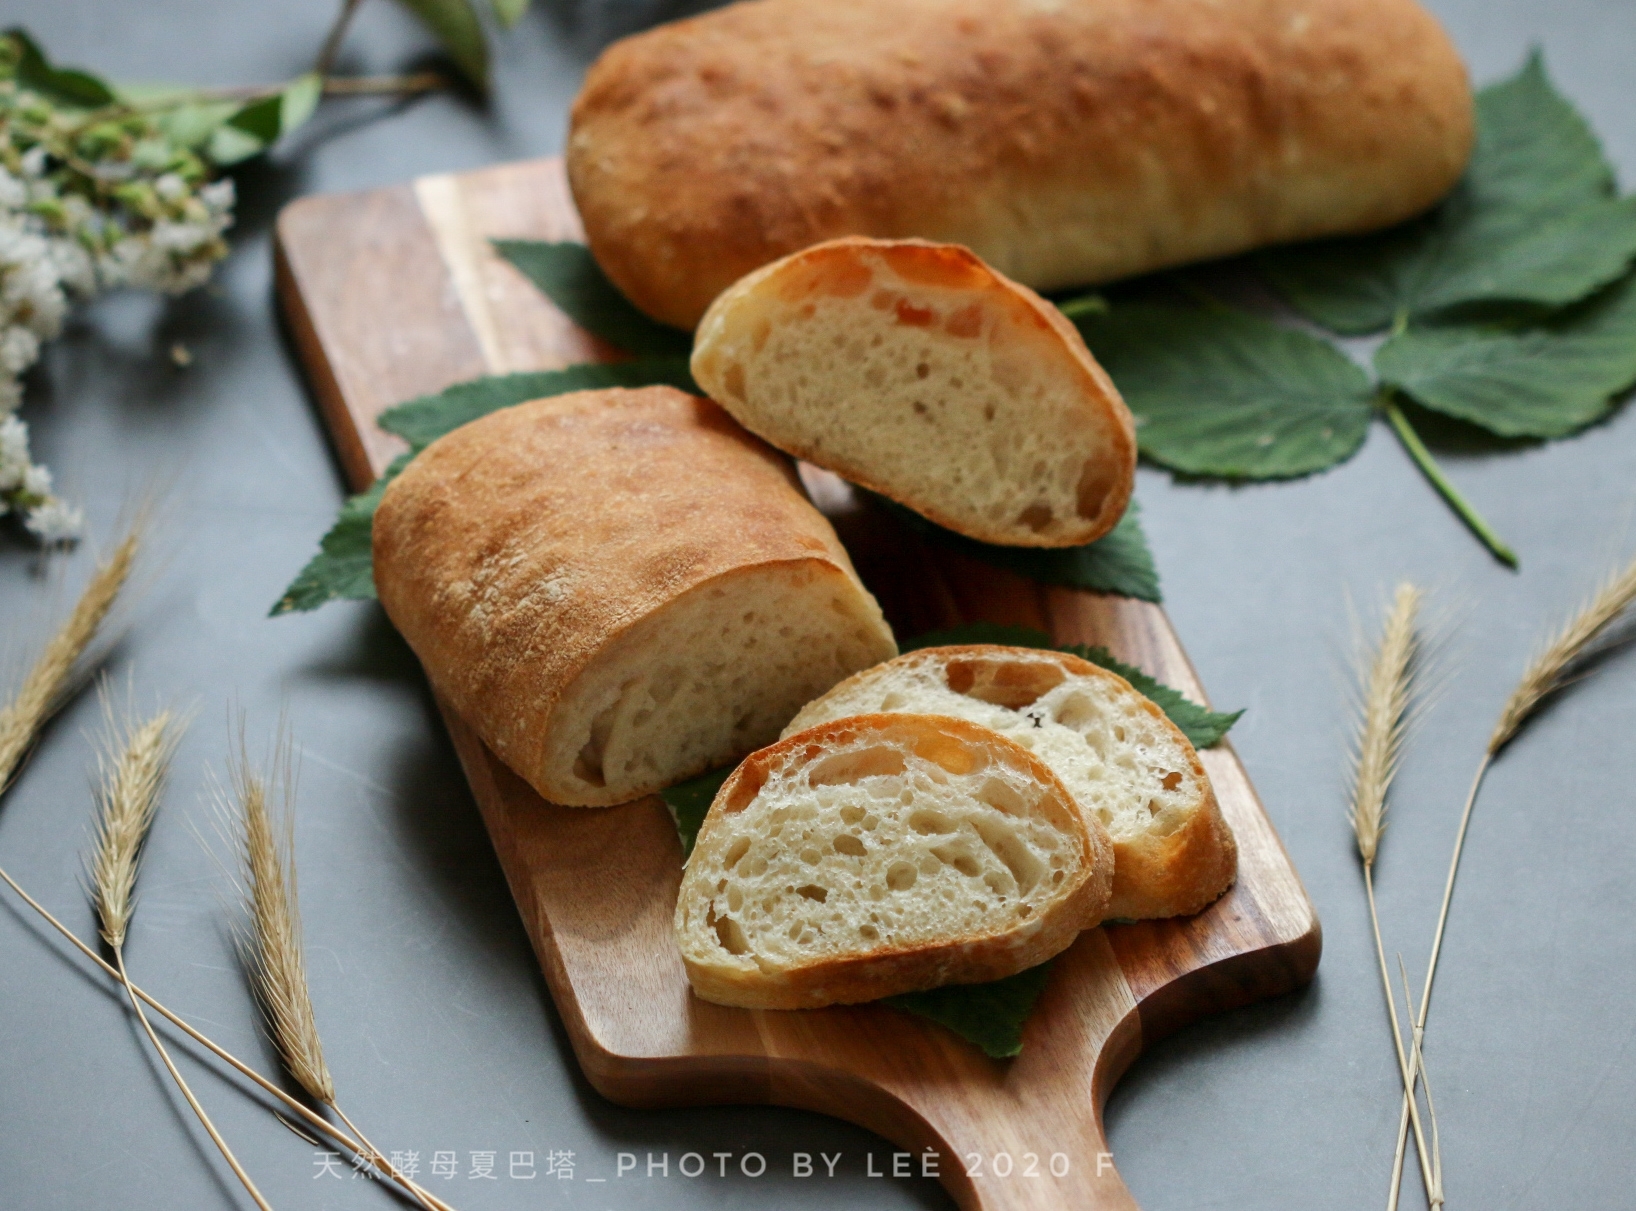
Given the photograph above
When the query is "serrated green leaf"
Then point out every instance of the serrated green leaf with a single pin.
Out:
(990, 1015)
(689, 802)
(422, 421)
(65, 85)
(1118, 562)
(1540, 380)
(455, 25)
(1534, 220)
(569, 276)
(1202, 726)
(509, 12)
(1218, 392)
(343, 569)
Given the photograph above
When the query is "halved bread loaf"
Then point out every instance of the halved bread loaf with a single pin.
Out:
(618, 589)
(919, 372)
(880, 855)
(1124, 762)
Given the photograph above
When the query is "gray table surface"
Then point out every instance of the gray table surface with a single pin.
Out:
(436, 1022)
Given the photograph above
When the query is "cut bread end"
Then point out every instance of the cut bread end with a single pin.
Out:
(880, 855)
(708, 679)
(919, 372)
(1125, 764)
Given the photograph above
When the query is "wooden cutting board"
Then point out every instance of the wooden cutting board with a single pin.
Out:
(396, 292)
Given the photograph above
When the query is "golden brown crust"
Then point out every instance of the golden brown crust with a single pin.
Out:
(1065, 143)
(843, 266)
(890, 971)
(514, 550)
(1154, 877)
(1178, 875)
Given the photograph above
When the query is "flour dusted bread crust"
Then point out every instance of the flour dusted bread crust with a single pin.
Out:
(618, 589)
(881, 855)
(1066, 142)
(915, 370)
(1122, 760)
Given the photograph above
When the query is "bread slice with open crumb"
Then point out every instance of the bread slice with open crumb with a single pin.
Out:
(881, 855)
(919, 372)
(1121, 758)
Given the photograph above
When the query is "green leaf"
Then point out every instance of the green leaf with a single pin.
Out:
(195, 124)
(422, 421)
(1202, 726)
(258, 124)
(343, 568)
(1544, 379)
(66, 85)
(1118, 562)
(1534, 220)
(1218, 392)
(570, 277)
(455, 25)
(509, 12)
(990, 1015)
(690, 801)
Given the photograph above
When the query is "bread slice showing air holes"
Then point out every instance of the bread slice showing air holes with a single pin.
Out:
(919, 372)
(885, 854)
(1120, 757)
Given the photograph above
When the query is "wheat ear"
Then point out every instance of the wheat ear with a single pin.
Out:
(1386, 677)
(133, 771)
(227, 1057)
(42, 688)
(1546, 673)
(278, 965)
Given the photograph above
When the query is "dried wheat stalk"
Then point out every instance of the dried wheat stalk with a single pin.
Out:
(277, 962)
(133, 770)
(1386, 677)
(293, 1104)
(42, 688)
(119, 840)
(278, 965)
(1546, 673)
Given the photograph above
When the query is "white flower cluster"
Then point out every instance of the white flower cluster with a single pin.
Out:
(85, 207)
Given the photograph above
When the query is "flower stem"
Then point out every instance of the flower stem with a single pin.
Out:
(332, 40)
(1428, 466)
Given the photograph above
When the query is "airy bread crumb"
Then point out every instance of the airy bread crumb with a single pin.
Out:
(880, 855)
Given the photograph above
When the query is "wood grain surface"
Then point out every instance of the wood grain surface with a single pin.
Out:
(396, 292)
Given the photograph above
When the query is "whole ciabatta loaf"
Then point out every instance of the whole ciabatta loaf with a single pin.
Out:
(1124, 762)
(914, 369)
(881, 855)
(618, 589)
(1065, 142)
